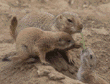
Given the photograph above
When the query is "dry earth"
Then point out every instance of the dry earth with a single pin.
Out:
(95, 17)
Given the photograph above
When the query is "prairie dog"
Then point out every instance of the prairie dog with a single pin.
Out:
(67, 22)
(86, 72)
(34, 41)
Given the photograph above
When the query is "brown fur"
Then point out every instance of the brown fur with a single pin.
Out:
(67, 22)
(86, 72)
(33, 41)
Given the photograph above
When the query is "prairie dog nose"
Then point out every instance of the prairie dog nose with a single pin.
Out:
(80, 26)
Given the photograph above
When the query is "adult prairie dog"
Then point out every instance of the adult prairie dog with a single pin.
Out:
(34, 41)
(67, 22)
(86, 72)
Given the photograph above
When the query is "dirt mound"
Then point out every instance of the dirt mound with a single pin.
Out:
(31, 73)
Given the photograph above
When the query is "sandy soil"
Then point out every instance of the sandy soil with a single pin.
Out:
(95, 17)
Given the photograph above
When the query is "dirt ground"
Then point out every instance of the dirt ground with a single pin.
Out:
(94, 15)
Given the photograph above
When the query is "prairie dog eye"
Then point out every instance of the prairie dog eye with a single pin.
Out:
(69, 41)
(69, 20)
(91, 57)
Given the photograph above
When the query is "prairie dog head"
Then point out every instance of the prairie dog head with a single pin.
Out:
(69, 22)
(88, 59)
(64, 40)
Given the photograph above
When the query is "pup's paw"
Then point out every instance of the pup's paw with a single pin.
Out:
(70, 57)
(78, 45)
(71, 60)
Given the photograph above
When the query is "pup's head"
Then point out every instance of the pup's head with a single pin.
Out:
(88, 59)
(69, 22)
(64, 40)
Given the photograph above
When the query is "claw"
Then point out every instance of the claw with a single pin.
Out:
(71, 61)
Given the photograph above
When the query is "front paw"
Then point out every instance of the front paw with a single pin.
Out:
(70, 57)
(71, 61)
(75, 46)
(78, 45)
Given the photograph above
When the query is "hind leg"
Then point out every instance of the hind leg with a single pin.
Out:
(22, 54)
(42, 57)
(21, 57)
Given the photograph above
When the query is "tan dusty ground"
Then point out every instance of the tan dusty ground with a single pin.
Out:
(95, 15)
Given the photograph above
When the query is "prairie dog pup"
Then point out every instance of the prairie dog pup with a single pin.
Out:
(34, 41)
(67, 22)
(86, 72)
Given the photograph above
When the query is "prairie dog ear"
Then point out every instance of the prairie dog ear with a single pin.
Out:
(60, 18)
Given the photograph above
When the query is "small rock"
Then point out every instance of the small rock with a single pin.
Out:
(91, 7)
(30, 60)
(85, 6)
(105, 8)
(93, 22)
(56, 76)
(4, 6)
(68, 80)
(101, 31)
(71, 2)
(43, 72)
(86, 32)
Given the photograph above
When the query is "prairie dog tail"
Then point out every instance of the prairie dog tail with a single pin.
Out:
(13, 26)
